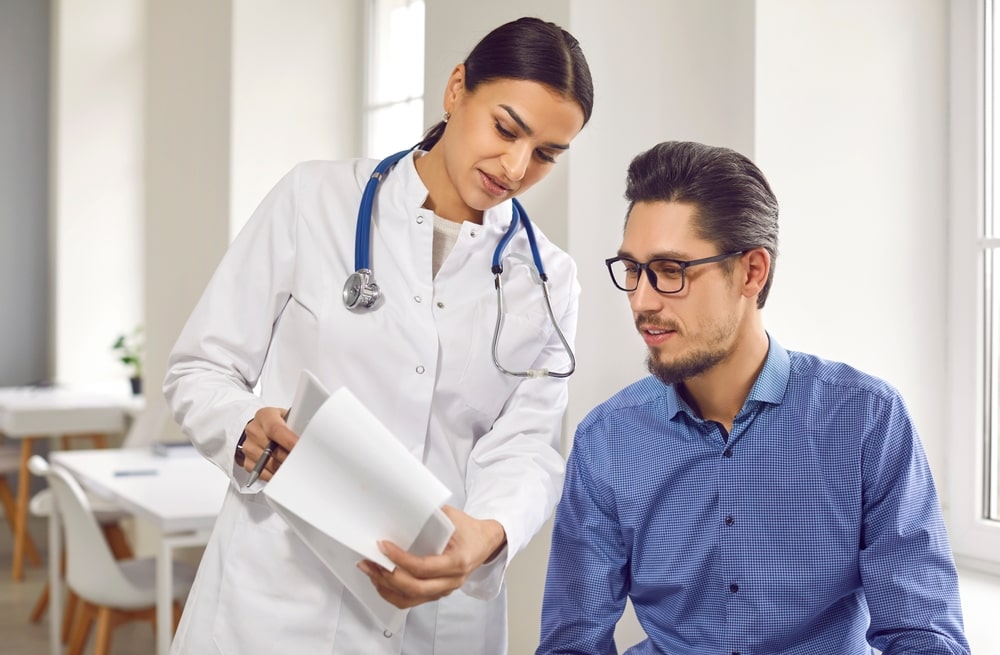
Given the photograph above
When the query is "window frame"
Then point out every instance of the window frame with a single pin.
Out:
(975, 539)
(369, 107)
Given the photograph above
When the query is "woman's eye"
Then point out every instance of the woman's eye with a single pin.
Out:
(545, 157)
(505, 133)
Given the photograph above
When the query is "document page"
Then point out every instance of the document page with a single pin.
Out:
(348, 484)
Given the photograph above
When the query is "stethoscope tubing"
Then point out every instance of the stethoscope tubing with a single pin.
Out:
(519, 218)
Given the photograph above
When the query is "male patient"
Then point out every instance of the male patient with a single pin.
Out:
(748, 499)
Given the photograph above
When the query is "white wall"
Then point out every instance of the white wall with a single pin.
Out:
(852, 132)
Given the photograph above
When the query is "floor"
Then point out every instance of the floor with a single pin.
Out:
(21, 637)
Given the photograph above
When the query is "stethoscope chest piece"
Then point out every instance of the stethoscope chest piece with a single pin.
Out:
(360, 290)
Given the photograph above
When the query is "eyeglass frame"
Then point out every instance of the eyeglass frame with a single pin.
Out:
(651, 276)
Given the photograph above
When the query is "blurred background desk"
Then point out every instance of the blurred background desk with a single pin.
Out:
(180, 494)
(31, 413)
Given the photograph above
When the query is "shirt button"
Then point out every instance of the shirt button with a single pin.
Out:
(418, 299)
(730, 520)
(728, 452)
(734, 587)
(388, 635)
(440, 305)
(420, 370)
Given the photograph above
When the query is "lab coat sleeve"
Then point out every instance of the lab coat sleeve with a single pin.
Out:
(516, 470)
(217, 359)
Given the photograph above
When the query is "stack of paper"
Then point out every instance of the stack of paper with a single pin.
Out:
(348, 484)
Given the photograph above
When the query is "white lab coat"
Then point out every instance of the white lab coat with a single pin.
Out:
(421, 362)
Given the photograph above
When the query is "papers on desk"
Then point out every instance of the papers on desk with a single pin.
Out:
(348, 484)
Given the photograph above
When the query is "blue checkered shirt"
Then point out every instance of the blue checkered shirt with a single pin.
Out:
(813, 528)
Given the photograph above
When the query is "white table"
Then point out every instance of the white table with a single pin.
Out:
(182, 499)
(32, 413)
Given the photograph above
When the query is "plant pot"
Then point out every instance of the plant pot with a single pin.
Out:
(136, 386)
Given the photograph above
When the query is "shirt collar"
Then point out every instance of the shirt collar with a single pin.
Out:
(769, 387)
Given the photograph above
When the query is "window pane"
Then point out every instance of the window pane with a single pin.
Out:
(397, 66)
(394, 128)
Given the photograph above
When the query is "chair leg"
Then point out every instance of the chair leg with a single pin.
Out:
(178, 610)
(40, 605)
(82, 629)
(115, 536)
(72, 600)
(102, 641)
(10, 514)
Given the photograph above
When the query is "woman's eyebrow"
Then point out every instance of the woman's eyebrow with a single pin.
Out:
(527, 130)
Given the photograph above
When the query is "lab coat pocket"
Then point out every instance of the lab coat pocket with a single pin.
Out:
(522, 340)
(274, 595)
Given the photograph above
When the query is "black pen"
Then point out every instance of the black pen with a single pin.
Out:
(265, 456)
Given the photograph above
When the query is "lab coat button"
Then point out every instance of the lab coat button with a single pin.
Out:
(473, 234)
(387, 634)
(440, 305)
(418, 298)
(420, 219)
(420, 370)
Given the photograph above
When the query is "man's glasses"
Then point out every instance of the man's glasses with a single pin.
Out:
(666, 275)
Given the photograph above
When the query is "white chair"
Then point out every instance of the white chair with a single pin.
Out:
(111, 591)
(144, 430)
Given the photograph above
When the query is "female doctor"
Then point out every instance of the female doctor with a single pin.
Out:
(421, 359)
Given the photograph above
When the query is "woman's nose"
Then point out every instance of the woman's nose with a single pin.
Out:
(515, 161)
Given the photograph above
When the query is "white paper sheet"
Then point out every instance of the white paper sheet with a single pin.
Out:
(349, 483)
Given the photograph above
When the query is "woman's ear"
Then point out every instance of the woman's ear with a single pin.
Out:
(455, 88)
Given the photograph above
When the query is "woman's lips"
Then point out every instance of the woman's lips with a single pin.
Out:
(492, 186)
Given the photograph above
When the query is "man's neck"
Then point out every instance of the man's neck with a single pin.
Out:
(718, 394)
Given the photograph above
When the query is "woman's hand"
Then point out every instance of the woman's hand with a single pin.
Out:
(418, 580)
(267, 425)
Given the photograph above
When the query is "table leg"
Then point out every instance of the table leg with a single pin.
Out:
(164, 595)
(55, 581)
(21, 518)
(165, 584)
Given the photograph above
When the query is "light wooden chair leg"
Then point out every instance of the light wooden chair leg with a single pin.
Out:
(82, 628)
(116, 538)
(40, 605)
(72, 600)
(178, 610)
(102, 641)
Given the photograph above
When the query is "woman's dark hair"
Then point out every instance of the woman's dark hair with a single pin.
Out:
(735, 208)
(527, 49)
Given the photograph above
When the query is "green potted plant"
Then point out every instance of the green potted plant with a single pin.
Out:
(130, 349)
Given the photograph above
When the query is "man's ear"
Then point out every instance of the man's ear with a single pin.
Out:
(757, 264)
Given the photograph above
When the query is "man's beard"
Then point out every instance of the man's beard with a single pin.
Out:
(677, 371)
(718, 347)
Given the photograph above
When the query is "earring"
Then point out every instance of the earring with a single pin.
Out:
(447, 115)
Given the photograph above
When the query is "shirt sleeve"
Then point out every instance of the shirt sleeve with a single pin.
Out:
(907, 569)
(217, 359)
(516, 469)
(587, 581)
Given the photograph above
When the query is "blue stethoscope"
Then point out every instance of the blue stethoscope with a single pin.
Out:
(361, 292)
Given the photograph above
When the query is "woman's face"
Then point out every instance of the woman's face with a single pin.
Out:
(501, 139)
